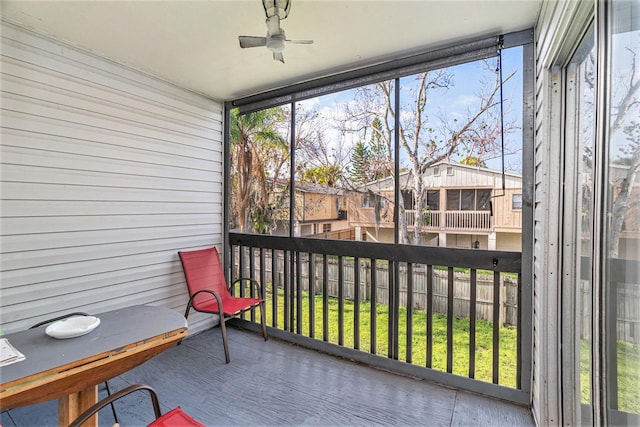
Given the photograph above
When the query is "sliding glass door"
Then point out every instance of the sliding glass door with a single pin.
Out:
(621, 215)
(601, 254)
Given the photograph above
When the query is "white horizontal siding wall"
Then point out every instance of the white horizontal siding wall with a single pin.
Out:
(558, 24)
(546, 394)
(468, 177)
(106, 174)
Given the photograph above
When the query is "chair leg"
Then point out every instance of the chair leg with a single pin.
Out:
(263, 320)
(224, 338)
(113, 408)
(186, 315)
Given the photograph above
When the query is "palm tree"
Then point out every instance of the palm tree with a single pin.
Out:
(257, 153)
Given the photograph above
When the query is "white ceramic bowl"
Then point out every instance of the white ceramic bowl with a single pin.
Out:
(72, 327)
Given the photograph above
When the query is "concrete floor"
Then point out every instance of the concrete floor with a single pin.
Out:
(275, 383)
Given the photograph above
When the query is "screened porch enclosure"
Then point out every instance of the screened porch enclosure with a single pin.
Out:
(384, 295)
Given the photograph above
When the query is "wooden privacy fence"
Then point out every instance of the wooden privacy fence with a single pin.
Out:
(461, 305)
(627, 311)
(625, 306)
(623, 300)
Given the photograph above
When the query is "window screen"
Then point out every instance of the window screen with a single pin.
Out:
(433, 199)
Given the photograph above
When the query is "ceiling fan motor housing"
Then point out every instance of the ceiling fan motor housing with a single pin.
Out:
(275, 43)
(276, 10)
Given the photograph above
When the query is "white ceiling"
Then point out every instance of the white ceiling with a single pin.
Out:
(194, 44)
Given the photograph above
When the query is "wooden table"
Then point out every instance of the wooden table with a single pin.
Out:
(71, 369)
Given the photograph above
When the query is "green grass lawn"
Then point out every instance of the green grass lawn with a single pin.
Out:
(628, 375)
(628, 354)
(484, 334)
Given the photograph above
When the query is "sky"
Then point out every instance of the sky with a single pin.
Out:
(626, 67)
(452, 102)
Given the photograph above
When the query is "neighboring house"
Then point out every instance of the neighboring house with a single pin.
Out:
(467, 207)
(320, 211)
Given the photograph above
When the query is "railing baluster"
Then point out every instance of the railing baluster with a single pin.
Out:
(274, 287)
(262, 275)
(472, 323)
(519, 334)
(394, 279)
(325, 298)
(340, 300)
(450, 282)
(312, 295)
(298, 261)
(287, 292)
(374, 307)
(252, 275)
(390, 310)
(241, 273)
(356, 303)
(292, 294)
(232, 260)
(496, 326)
(429, 359)
(409, 312)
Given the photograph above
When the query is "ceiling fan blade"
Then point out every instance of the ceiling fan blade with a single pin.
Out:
(252, 41)
(278, 56)
(299, 41)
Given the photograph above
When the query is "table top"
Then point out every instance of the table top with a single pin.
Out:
(118, 330)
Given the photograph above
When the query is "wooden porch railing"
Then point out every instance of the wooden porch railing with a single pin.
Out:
(375, 302)
(428, 220)
(468, 220)
(453, 220)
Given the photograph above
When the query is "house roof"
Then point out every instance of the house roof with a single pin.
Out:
(318, 189)
(194, 44)
(310, 187)
(386, 182)
(471, 167)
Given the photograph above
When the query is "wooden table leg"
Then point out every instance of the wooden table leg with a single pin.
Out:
(69, 407)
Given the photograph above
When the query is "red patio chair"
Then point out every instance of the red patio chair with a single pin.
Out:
(209, 293)
(176, 417)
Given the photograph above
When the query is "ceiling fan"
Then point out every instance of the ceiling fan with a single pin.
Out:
(276, 10)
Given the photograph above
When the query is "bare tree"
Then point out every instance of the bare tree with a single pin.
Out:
(426, 140)
(320, 156)
(625, 119)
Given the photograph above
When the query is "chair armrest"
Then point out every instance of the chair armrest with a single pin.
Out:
(108, 400)
(206, 291)
(253, 282)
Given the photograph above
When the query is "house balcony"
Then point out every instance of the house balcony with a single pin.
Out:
(275, 383)
(477, 221)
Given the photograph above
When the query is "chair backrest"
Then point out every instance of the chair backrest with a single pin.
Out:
(94, 409)
(175, 417)
(203, 271)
